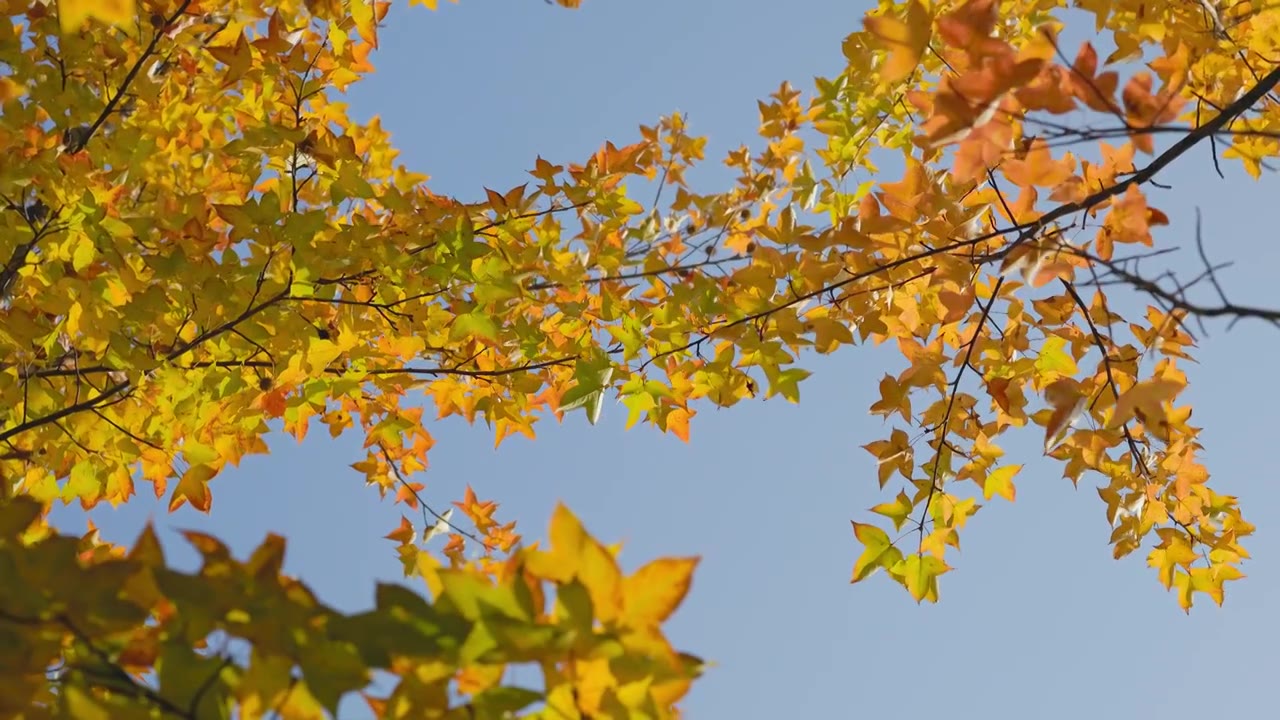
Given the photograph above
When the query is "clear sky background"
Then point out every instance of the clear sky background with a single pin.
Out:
(1037, 621)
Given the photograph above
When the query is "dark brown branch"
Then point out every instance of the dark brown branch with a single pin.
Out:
(703, 337)
(1101, 344)
(1175, 300)
(105, 396)
(1190, 140)
(333, 370)
(133, 72)
(425, 507)
(954, 391)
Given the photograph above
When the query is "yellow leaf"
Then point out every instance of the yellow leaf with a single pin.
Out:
(83, 252)
(920, 573)
(905, 40)
(198, 453)
(1145, 399)
(576, 555)
(879, 551)
(362, 13)
(10, 90)
(560, 563)
(654, 591)
(1000, 482)
(599, 573)
(80, 704)
(1068, 403)
(1172, 552)
(74, 13)
(897, 511)
(1054, 360)
(83, 483)
(193, 488)
(321, 354)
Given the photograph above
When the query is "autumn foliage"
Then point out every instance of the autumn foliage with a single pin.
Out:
(197, 243)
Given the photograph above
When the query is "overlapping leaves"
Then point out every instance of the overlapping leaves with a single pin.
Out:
(197, 241)
(87, 631)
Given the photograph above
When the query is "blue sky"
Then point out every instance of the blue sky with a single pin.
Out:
(1037, 621)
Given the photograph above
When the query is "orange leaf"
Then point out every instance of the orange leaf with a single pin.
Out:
(193, 488)
(678, 423)
(480, 512)
(403, 534)
(1038, 166)
(1098, 92)
(654, 591)
(408, 493)
(905, 40)
(1068, 402)
(273, 402)
(1144, 400)
(968, 25)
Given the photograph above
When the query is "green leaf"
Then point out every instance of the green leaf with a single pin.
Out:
(185, 676)
(16, 515)
(474, 598)
(573, 603)
(331, 670)
(377, 637)
(638, 403)
(588, 395)
(496, 703)
(479, 643)
(1054, 359)
(631, 334)
(474, 324)
(349, 183)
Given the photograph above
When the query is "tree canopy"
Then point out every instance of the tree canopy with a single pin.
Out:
(198, 244)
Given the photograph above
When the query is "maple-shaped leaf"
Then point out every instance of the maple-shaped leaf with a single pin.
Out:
(894, 398)
(575, 555)
(194, 488)
(74, 13)
(403, 534)
(1068, 402)
(588, 395)
(1174, 552)
(677, 423)
(969, 25)
(440, 527)
(480, 513)
(897, 511)
(653, 592)
(1055, 360)
(879, 551)
(16, 515)
(1000, 482)
(1145, 400)
(905, 39)
(920, 574)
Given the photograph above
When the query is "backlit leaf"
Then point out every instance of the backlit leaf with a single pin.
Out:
(904, 39)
